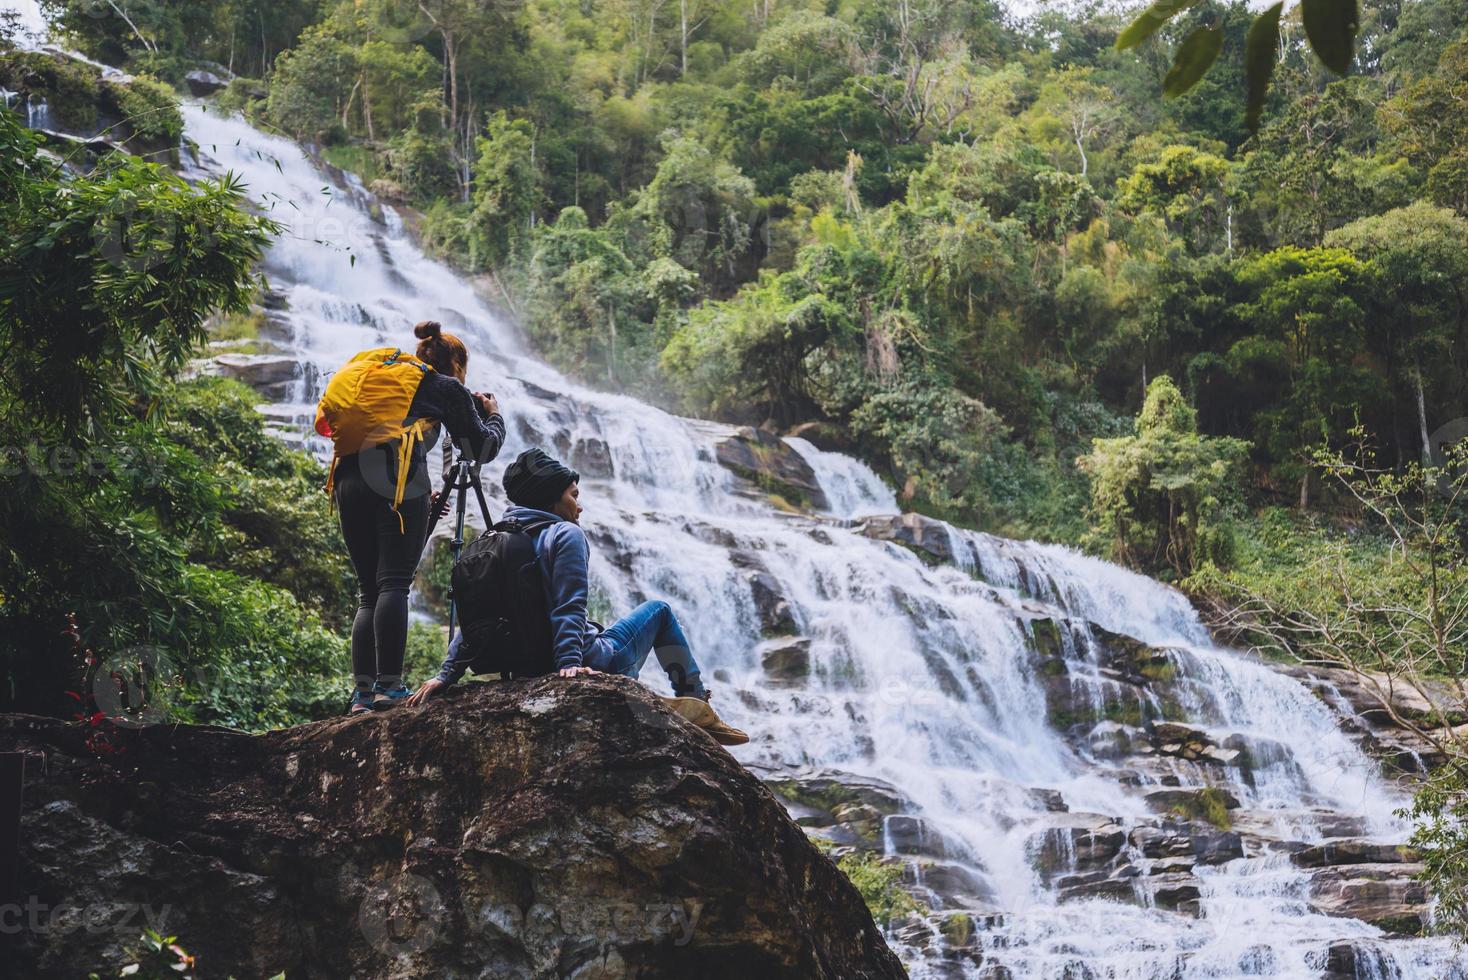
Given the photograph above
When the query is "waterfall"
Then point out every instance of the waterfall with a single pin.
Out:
(32, 24)
(925, 676)
(851, 488)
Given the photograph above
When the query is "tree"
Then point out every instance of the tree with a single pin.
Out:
(1420, 321)
(1427, 119)
(1188, 188)
(913, 64)
(1302, 167)
(1085, 110)
(311, 87)
(1299, 363)
(506, 188)
(1162, 498)
(697, 210)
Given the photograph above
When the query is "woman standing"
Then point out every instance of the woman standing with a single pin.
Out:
(383, 411)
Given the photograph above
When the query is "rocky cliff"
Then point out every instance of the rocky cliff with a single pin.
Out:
(543, 828)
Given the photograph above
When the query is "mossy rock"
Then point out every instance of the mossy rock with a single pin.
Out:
(958, 929)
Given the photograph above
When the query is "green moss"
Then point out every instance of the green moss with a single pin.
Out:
(149, 107)
(830, 797)
(1159, 670)
(880, 885)
(1210, 804)
(237, 326)
(354, 158)
(1045, 638)
(958, 929)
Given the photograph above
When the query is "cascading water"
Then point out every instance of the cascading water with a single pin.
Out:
(923, 674)
(940, 676)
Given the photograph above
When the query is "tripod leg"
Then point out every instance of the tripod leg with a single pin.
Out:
(461, 484)
(483, 503)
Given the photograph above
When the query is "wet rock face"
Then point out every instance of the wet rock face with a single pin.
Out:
(1386, 895)
(269, 374)
(786, 661)
(203, 83)
(528, 829)
(1382, 713)
(929, 538)
(767, 461)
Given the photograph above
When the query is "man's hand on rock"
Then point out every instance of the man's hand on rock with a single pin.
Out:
(425, 692)
(573, 671)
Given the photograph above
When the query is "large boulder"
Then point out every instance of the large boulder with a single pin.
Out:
(533, 828)
(269, 374)
(786, 660)
(931, 539)
(1389, 896)
(202, 83)
(766, 460)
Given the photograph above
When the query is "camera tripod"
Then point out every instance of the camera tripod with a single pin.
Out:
(463, 477)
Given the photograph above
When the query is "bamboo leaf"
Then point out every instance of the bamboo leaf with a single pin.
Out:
(1194, 57)
(1331, 26)
(1261, 51)
(1150, 21)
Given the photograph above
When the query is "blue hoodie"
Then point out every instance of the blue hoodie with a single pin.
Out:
(564, 556)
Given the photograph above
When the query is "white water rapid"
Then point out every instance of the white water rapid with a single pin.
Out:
(922, 674)
(979, 682)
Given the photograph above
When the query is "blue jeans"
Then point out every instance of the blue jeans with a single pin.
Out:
(624, 647)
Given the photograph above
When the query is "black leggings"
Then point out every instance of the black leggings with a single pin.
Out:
(385, 557)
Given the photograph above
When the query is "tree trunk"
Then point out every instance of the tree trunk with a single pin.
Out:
(1305, 491)
(148, 45)
(451, 57)
(683, 35)
(1422, 416)
(367, 107)
(351, 98)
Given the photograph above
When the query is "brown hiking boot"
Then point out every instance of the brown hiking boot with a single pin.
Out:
(699, 711)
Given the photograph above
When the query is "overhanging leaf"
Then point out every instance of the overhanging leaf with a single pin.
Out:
(1261, 51)
(1331, 26)
(1194, 57)
(1150, 21)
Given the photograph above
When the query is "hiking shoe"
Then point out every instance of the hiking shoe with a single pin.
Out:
(699, 711)
(384, 698)
(361, 703)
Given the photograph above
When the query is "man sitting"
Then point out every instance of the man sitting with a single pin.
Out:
(547, 498)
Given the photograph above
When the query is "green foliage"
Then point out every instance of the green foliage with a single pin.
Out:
(506, 190)
(1330, 25)
(1163, 498)
(150, 109)
(1187, 187)
(1208, 804)
(307, 86)
(160, 516)
(422, 165)
(1439, 812)
(880, 885)
(157, 957)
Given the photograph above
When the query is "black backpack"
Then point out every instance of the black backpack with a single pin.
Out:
(500, 595)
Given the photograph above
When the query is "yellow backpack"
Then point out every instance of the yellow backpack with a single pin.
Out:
(366, 404)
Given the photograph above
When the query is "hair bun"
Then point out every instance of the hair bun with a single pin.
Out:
(428, 329)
